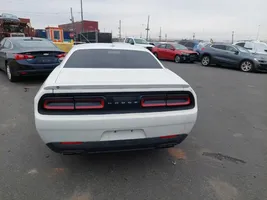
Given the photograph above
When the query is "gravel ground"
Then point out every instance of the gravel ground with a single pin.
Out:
(224, 158)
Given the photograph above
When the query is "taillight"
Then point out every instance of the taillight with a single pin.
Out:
(178, 100)
(61, 55)
(202, 49)
(23, 57)
(73, 103)
(166, 101)
(91, 103)
(153, 102)
(59, 104)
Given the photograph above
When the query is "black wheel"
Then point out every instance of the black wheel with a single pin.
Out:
(205, 61)
(177, 59)
(9, 74)
(156, 55)
(246, 66)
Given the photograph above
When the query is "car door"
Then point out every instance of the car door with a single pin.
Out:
(232, 57)
(219, 53)
(161, 51)
(169, 52)
(2, 54)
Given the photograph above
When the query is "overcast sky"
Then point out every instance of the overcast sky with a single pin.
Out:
(179, 19)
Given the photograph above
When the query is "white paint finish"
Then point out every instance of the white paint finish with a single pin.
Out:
(122, 135)
(56, 128)
(92, 127)
(89, 76)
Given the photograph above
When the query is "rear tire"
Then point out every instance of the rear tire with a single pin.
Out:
(246, 66)
(205, 61)
(10, 76)
(177, 59)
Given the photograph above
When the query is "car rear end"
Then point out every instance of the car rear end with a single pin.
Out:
(114, 109)
(34, 57)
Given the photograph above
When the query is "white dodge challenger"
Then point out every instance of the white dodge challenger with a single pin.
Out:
(113, 97)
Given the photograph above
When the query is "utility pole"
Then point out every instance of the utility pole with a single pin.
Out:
(258, 33)
(160, 34)
(194, 36)
(82, 15)
(165, 37)
(233, 34)
(147, 27)
(119, 30)
(73, 25)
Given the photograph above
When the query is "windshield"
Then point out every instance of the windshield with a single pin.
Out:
(108, 58)
(261, 47)
(140, 41)
(242, 49)
(179, 47)
(29, 43)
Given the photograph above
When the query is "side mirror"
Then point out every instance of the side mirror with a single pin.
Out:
(173, 49)
(132, 43)
(236, 52)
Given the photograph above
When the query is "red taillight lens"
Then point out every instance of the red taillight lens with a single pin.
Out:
(61, 55)
(178, 100)
(71, 143)
(168, 136)
(23, 56)
(202, 49)
(94, 103)
(59, 104)
(153, 102)
(166, 101)
(68, 103)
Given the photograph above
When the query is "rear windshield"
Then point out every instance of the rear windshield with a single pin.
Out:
(107, 58)
(28, 43)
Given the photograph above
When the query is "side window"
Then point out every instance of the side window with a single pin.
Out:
(131, 41)
(190, 44)
(249, 45)
(230, 48)
(168, 46)
(162, 46)
(7, 45)
(241, 44)
(219, 46)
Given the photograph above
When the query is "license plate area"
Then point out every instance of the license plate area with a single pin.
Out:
(123, 135)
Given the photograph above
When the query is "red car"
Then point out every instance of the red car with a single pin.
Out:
(176, 52)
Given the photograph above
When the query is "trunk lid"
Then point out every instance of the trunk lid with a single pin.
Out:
(43, 56)
(118, 79)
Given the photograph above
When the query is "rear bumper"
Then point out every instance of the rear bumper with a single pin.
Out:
(96, 128)
(114, 146)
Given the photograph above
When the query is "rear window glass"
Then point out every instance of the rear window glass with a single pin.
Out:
(109, 58)
(28, 43)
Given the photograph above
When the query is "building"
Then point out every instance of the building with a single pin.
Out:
(85, 26)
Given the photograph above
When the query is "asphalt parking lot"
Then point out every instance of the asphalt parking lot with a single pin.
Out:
(224, 158)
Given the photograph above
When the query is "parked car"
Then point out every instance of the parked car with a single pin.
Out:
(139, 42)
(190, 44)
(175, 52)
(113, 97)
(232, 56)
(200, 46)
(255, 47)
(27, 56)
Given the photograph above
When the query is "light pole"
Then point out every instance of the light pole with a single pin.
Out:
(258, 33)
